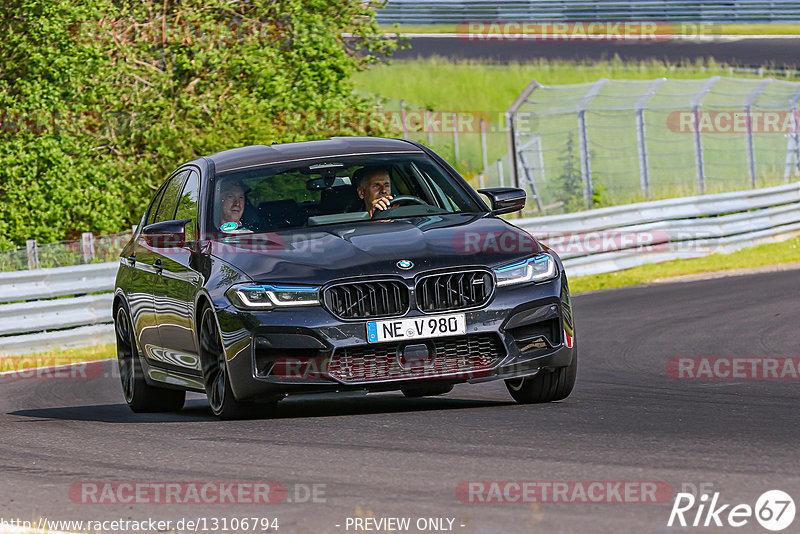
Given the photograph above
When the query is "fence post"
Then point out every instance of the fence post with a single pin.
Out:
(511, 130)
(483, 145)
(751, 153)
(403, 118)
(698, 141)
(428, 127)
(455, 138)
(793, 143)
(33, 253)
(641, 137)
(583, 136)
(500, 172)
(87, 247)
(528, 177)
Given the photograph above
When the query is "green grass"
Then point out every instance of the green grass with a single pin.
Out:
(469, 85)
(481, 87)
(716, 29)
(62, 357)
(758, 256)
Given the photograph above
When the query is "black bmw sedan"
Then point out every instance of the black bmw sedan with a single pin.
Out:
(345, 264)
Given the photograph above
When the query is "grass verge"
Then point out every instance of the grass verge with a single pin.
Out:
(758, 256)
(470, 85)
(17, 362)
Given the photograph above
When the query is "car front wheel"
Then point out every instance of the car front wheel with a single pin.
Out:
(546, 385)
(140, 396)
(215, 373)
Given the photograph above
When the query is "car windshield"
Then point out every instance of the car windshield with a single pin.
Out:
(334, 190)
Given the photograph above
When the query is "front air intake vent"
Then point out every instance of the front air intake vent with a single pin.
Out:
(362, 300)
(454, 291)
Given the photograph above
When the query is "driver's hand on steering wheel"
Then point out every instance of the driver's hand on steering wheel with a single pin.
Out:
(382, 203)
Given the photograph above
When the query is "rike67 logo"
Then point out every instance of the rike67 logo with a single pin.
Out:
(774, 510)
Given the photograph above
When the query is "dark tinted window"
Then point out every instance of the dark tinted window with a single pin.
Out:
(333, 190)
(169, 203)
(187, 204)
(151, 211)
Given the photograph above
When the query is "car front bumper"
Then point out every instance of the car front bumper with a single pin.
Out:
(522, 330)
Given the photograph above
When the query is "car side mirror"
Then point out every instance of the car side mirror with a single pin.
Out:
(166, 234)
(505, 199)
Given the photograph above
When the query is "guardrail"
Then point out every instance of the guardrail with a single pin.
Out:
(454, 12)
(56, 308)
(621, 237)
(71, 306)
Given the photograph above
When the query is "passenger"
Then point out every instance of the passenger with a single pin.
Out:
(232, 203)
(374, 187)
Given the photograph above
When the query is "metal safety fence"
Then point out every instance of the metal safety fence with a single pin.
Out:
(456, 11)
(56, 308)
(614, 142)
(48, 309)
(89, 248)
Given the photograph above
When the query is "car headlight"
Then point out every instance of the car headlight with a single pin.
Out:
(536, 269)
(267, 297)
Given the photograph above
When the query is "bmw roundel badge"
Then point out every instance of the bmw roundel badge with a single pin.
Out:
(405, 264)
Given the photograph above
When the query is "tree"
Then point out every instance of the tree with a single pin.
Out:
(102, 98)
(570, 184)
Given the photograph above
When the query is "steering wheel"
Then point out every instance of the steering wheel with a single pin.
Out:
(406, 198)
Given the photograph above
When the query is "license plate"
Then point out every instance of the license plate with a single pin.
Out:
(416, 328)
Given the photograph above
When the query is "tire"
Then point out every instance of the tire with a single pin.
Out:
(426, 390)
(215, 373)
(546, 385)
(140, 396)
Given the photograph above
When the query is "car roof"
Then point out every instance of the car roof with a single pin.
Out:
(255, 155)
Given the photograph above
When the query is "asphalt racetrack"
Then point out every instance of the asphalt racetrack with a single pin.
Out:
(386, 456)
(750, 52)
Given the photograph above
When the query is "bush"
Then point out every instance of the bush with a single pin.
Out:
(103, 98)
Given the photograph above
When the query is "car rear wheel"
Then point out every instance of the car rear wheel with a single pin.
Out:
(426, 390)
(140, 396)
(215, 373)
(546, 385)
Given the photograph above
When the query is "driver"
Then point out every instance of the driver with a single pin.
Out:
(374, 187)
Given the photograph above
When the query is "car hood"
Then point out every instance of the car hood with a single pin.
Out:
(317, 255)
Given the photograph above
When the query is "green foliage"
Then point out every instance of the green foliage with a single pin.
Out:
(570, 184)
(101, 99)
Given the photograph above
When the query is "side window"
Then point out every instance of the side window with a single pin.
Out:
(153, 209)
(169, 202)
(187, 204)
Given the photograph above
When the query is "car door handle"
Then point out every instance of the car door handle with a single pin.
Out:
(157, 266)
(131, 260)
